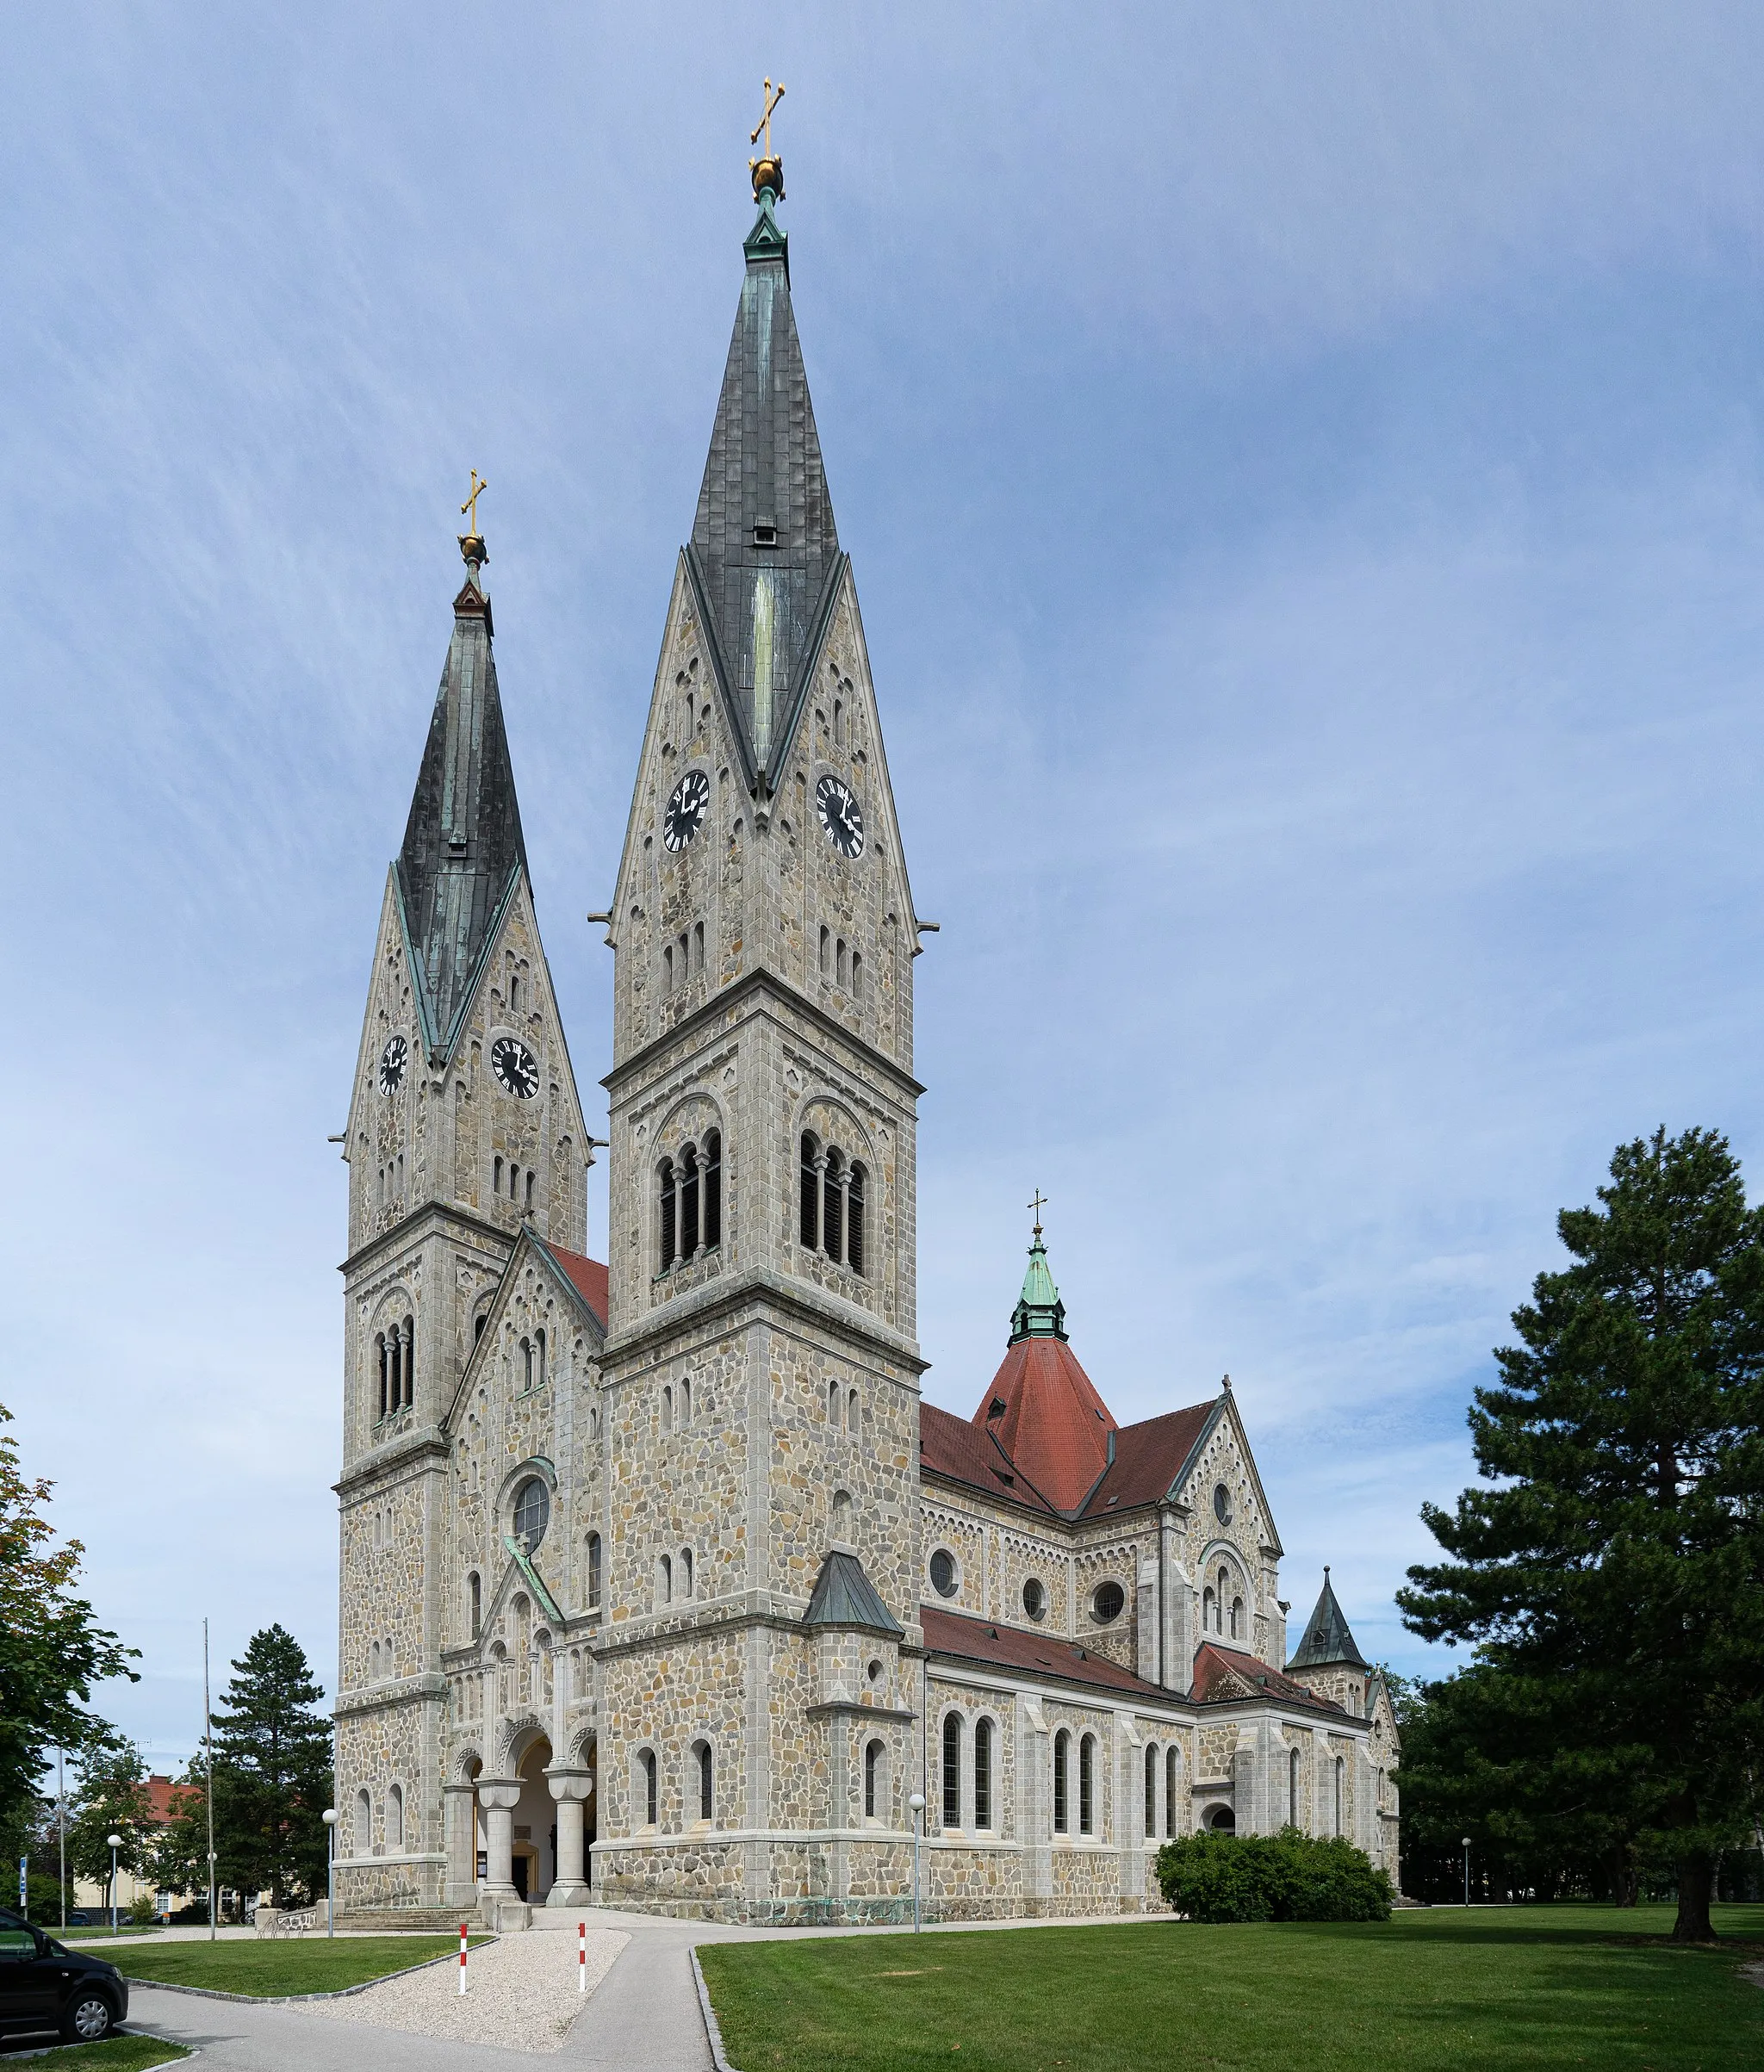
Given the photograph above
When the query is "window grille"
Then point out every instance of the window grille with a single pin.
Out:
(983, 1773)
(1087, 1764)
(952, 1769)
(1062, 1748)
(713, 1189)
(667, 1258)
(810, 1226)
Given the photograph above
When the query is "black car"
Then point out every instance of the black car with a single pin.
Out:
(44, 1986)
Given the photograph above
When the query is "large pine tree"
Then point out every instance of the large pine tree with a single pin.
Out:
(1615, 1572)
(272, 1776)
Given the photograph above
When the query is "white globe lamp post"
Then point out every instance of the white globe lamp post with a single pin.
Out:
(329, 1871)
(917, 1804)
(115, 1842)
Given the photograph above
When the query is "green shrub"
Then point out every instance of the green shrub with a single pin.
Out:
(1287, 1877)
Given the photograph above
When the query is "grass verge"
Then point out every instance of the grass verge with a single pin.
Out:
(1509, 1990)
(114, 2053)
(313, 1963)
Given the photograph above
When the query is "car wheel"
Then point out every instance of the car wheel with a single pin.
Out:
(89, 2019)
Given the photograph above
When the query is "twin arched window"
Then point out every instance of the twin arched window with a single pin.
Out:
(834, 1204)
(692, 1200)
(594, 1570)
(533, 1357)
(1222, 1608)
(395, 1351)
(843, 966)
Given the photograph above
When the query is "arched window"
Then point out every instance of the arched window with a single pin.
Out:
(702, 1751)
(593, 1570)
(832, 1200)
(478, 1323)
(667, 1407)
(852, 1420)
(809, 1227)
(529, 1187)
(833, 1404)
(841, 1527)
(1237, 1618)
(664, 1580)
(496, 1177)
(1151, 1788)
(1340, 1776)
(713, 1189)
(857, 965)
(364, 1823)
(526, 1363)
(666, 1177)
(698, 961)
(668, 969)
(688, 1202)
(532, 1512)
(410, 1362)
(838, 723)
(385, 1367)
(1087, 1785)
(686, 1401)
(854, 1220)
(1172, 1784)
(1207, 1610)
(839, 962)
(1219, 1604)
(872, 1764)
(826, 951)
(539, 1357)
(685, 1573)
(394, 1818)
(983, 1773)
(1292, 1787)
(952, 1769)
(1062, 1756)
(475, 1602)
(646, 1764)
(374, 1662)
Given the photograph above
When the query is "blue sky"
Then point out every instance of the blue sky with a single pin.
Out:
(1301, 470)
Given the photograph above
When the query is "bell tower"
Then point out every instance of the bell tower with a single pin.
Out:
(761, 1238)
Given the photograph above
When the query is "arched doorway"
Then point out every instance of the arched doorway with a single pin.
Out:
(533, 1851)
(1222, 1821)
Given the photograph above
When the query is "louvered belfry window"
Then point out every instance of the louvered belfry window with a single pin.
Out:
(688, 1202)
(810, 1230)
(668, 1231)
(832, 1201)
(713, 1189)
(854, 1219)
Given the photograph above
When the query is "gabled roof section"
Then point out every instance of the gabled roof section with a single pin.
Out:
(844, 1596)
(951, 1447)
(588, 1277)
(1327, 1642)
(463, 853)
(1149, 1459)
(952, 1634)
(764, 557)
(1227, 1675)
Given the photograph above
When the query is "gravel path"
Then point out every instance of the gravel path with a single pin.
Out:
(522, 1993)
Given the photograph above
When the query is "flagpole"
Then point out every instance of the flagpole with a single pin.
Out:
(61, 1832)
(208, 1749)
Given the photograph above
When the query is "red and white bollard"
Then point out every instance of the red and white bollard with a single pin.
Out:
(462, 1959)
(581, 1956)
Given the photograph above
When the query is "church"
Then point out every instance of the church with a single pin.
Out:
(661, 1585)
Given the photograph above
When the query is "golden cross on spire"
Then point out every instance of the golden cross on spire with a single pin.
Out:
(771, 99)
(1036, 1207)
(469, 510)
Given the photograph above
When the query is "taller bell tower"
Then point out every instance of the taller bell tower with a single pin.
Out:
(762, 1363)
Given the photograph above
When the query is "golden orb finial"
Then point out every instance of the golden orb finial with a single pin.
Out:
(768, 169)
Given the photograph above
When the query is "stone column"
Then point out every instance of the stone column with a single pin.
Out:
(461, 1845)
(498, 1796)
(569, 1787)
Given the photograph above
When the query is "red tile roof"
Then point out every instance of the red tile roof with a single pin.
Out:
(586, 1276)
(954, 1634)
(163, 1797)
(1224, 1673)
(1045, 1411)
(951, 1446)
(1148, 1458)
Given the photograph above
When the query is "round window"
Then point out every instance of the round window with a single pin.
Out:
(1221, 1505)
(943, 1573)
(532, 1512)
(1107, 1603)
(875, 1673)
(1035, 1597)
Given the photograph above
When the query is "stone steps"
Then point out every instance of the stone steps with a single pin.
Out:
(405, 1921)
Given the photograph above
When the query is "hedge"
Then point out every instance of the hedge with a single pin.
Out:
(1287, 1877)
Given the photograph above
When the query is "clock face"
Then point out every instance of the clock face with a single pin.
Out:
(392, 1065)
(841, 815)
(686, 809)
(515, 1066)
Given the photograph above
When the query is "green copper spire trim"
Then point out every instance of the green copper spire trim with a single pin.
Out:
(1039, 1313)
(766, 240)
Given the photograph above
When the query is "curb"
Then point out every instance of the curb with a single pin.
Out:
(294, 1999)
(713, 2035)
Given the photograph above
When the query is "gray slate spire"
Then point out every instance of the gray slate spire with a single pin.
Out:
(1327, 1640)
(765, 556)
(462, 851)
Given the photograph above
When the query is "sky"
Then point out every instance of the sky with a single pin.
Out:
(1301, 471)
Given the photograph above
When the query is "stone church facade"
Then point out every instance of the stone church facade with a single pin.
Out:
(661, 1584)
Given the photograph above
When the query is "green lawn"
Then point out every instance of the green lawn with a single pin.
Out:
(310, 1964)
(1534, 1988)
(116, 2054)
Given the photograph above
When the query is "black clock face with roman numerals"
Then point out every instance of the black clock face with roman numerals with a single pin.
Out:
(515, 1066)
(686, 809)
(841, 815)
(392, 1064)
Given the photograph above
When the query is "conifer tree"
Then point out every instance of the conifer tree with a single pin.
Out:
(1614, 1574)
(272, 1777)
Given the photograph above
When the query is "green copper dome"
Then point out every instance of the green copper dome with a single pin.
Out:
(1039, 1313)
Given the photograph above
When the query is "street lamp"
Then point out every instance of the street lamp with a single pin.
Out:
(917, 1803)
(1467, 1870)
(115, 1841)
(330, 1870)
